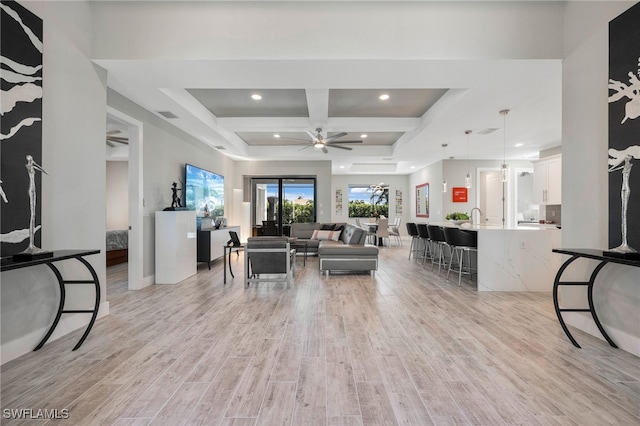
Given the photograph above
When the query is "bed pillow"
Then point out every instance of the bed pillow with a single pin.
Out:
(320, 235)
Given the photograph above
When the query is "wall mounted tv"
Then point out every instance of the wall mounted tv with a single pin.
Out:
(204, 191)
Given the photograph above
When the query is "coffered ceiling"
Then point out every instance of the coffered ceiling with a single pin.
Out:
(431, 101)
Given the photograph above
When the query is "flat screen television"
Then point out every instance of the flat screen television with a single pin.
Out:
(204, 192)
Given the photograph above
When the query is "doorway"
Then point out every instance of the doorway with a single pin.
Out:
(493, 195)
(280, 201)
(131, 129)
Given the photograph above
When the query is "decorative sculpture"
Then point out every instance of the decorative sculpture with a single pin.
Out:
(32, 251)
(621, 160)
(175, 200)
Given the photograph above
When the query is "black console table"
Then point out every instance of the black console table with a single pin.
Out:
(587, 254)
(59, 255)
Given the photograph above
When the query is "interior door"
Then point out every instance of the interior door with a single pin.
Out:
(491, 203)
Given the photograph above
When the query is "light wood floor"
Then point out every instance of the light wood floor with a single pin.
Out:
(407, 348)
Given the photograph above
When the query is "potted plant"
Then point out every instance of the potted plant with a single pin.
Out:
(457, 217)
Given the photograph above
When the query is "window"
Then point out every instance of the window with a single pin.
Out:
(368, 201)
(284, 199)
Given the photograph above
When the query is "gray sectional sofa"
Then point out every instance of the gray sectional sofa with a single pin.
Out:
(349, 253)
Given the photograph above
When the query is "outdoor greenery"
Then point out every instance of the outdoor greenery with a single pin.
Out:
(361, 208)
(297, 213)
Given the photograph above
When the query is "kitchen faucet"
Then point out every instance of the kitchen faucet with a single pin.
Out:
(471, 214)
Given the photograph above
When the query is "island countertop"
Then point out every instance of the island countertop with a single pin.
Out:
(515, 258)
(527, 227)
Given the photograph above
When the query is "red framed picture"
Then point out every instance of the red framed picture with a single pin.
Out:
(459, 195)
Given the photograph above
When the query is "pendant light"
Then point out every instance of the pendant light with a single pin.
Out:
(504, 170)
(467, 179)
(444, 181)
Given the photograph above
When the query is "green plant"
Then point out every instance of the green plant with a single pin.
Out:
(457, 216)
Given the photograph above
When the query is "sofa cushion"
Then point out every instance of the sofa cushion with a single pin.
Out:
(353, 235)
(321, 235)
(303, 230)
(327, 248)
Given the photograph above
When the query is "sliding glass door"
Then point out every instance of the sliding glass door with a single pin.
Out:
(283, 201)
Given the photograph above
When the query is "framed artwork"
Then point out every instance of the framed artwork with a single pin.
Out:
(624, 127)
(460, 194)
(339, 202)
(422, 200)
(20, 128)
(398, 201)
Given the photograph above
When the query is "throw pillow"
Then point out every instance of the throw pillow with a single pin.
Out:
(320, 235)
(327, 227)
(338, 227)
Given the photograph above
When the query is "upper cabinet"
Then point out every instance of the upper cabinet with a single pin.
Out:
(547, 180)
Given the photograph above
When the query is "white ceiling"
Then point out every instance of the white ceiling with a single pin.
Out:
(432, 101)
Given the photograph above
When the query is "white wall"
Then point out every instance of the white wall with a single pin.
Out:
(438, 30)
(454, 171)
(584, 166)
(73, 193)
(117, 196)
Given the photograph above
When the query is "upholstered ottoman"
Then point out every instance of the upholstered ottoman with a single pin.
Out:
(347, 257)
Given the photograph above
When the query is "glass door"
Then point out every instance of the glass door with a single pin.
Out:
(281, 201)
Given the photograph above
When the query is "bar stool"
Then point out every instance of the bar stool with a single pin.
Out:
(436, 235)
(423, 235)
(461, 242)
(412, 230)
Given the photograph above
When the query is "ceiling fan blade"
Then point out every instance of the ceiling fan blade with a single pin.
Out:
(325, 150)
(117, 139)
(294, 139)
(341, 147)
(111, 144)
(113, 132)
(345, 142)
(125, 142)
(306, 147)
(313, 136)
(336, 136)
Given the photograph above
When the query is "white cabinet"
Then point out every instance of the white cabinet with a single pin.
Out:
(175, 246)
(547, 181)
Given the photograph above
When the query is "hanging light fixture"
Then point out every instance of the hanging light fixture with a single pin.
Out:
(467, 179)
(504, 170)
(444, 181)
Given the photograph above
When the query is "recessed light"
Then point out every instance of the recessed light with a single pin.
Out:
(384, 97)
(412, 167)
(256, 97)
(342, 167)
(518, 145)
(276, 135)
(363, 136)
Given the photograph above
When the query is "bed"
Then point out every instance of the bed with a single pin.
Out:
(117, 246)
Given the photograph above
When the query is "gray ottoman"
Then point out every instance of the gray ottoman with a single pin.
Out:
(347, 257)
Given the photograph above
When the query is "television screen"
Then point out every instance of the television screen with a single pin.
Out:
(204, 192)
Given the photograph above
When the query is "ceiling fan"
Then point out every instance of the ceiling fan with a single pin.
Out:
(320, 142)
(112, 140)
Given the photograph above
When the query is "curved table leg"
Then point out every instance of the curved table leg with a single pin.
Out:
(556, 304)
(61, 283)
(54, 324)
(97, 304)
(591, 305)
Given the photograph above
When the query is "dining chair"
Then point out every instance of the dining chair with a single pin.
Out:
(382, 231)
(394, 230)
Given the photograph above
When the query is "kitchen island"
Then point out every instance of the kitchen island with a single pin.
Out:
(515, 258)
